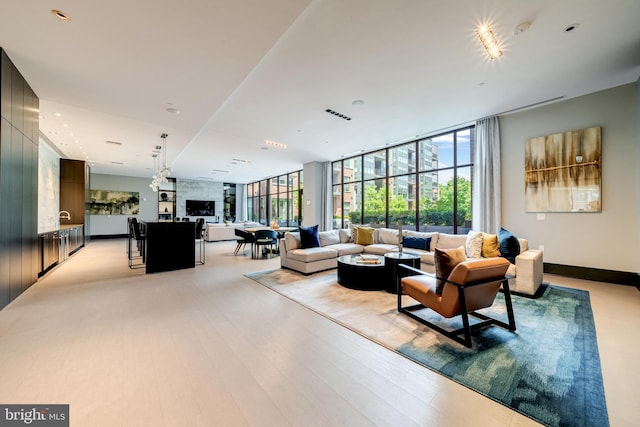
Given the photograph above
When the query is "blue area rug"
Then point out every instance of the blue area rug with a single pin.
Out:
(548, 370)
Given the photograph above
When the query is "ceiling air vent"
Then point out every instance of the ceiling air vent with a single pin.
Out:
(117, 163)
(114, 142)
(335, 113)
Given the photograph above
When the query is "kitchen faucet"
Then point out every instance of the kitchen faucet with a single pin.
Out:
(64, 215)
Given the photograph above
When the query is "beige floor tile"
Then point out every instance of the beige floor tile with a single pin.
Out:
(207, 346)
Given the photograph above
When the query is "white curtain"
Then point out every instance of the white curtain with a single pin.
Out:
(486, 176)
(326, 199)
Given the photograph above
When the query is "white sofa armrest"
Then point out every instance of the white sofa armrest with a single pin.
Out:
(529, 272)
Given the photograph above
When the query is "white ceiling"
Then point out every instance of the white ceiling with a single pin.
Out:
(244, 71)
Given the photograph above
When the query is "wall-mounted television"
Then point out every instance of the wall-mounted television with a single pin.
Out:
(201, 207)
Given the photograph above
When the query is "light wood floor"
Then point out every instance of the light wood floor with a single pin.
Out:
(209, 347)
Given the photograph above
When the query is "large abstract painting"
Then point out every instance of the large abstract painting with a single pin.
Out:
(563, 172)
(109, 202)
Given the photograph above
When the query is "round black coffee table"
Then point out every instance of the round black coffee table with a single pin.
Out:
(359, 275)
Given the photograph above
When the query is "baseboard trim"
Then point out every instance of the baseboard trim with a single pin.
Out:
(599, 275)
(109, 236)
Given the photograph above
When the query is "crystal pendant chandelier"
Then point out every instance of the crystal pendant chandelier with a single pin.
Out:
(162, 170)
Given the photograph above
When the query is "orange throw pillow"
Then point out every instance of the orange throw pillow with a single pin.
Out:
(446, 260)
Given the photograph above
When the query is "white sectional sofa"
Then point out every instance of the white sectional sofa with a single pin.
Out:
(527, 270)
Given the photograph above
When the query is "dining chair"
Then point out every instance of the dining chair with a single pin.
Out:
(244, 238)
(266, 238)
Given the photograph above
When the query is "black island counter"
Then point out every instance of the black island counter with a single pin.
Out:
(169, 245)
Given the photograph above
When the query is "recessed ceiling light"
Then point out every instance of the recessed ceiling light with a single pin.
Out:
(60, 15)
(335, 113)
(357, 102)
(571, 27)
(275, 144)
(172, 110)
(57, 114)
(264, 148)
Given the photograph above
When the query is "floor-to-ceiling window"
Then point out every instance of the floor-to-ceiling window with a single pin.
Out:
(276, 199)
(425, 184)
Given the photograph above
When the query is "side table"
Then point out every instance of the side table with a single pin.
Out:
(391, 262)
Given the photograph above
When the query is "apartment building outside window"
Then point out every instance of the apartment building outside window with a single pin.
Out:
(426, 184)
(278, 198)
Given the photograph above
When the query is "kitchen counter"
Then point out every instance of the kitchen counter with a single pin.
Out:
(56, 244)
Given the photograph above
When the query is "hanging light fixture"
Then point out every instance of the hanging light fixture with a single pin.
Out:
(162, 171)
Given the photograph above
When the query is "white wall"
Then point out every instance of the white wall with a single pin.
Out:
(607, 240)
(311, 213)
(100, 225)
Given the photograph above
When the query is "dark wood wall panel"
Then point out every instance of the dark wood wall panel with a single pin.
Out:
(18, 183)
(5, 87)
(5, 213)
(72, 190)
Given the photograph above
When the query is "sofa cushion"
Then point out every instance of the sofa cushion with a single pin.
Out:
(347, 248)
(446, 260)
(330, 237)
(386, 235)
(380, 248)
(490, 246)
(474, 244)
(292, 240)
(364, 236)
(431, 234)
(309, 237)
(345, 235)
(451, 241)
(417, 242)
(312, 254)
(509, 245)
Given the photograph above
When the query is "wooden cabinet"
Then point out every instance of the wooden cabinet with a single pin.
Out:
(74, 193)
(18, 182)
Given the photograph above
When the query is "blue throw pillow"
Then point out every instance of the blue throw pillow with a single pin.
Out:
(509, 245)
(417, 242)
(309, 237)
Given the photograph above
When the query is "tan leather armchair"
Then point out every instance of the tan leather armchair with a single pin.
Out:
(471, 286)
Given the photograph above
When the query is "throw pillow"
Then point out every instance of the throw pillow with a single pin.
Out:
(292, 240)
(364, 236)
(446, 260)
(509, 245)
(345, 235)
(474, 244)
(490, 246)
(354, 230)
(416, 243)
(309, 237)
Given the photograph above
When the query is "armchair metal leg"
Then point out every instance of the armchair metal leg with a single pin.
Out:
(467, 328)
